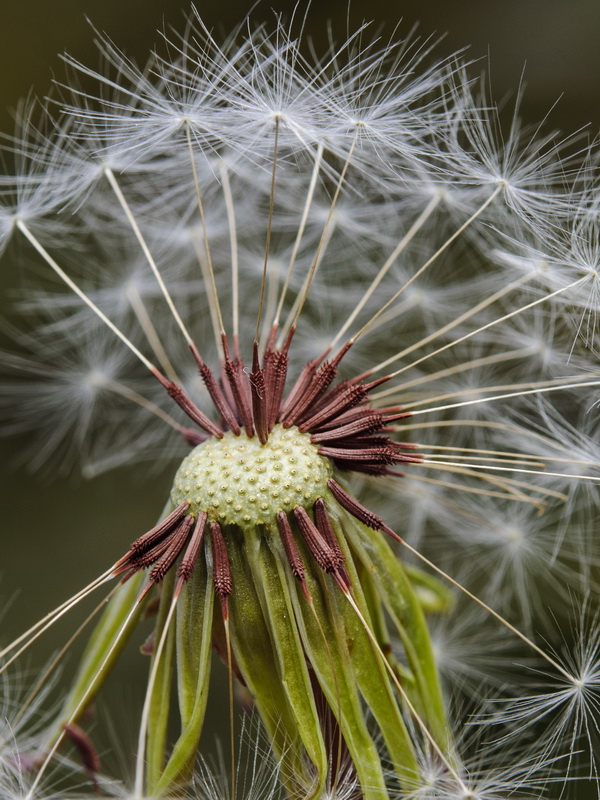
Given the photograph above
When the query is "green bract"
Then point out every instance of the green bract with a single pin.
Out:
(307, 660)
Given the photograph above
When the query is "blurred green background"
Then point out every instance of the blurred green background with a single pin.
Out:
(57, 535)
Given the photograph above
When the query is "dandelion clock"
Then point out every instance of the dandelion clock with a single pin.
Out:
(350, 309)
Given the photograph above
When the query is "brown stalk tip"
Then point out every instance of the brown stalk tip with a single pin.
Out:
(291, 548)
(193, 437)
(321, 550)
(191, 409)
(172, 551)
(222, 570)
(259, 395)
(86, 750)
(144, 542)
(325, 527)
(193, 549)
(236, 378)
(220, 402)
(355, 508)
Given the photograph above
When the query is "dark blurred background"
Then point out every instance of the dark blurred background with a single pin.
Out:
(58, 534)
(556, 41)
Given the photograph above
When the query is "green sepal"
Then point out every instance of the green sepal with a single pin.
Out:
(97, 659)
(373, 679)
(160, 701)
(380, 627)
(256, 658)
(404, 608)
(96, 663)
(434, 597)
(271, 587)
(326, 645)
(193, 635)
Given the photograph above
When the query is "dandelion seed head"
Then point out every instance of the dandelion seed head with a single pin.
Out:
(238, 481)
(337, 284)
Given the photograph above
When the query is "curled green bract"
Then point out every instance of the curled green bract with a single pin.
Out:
(328, 685)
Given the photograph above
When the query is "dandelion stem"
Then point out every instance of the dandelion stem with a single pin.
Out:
(500, 426)
(296, 310)
(46, 622)
(226, 184)
(556, 386)
(484, 361)
(468, 489)
(506, 453)
(469, 335)
(488, 459)
(511, 486)
(58, 658)
(495, 388)
(138, 399)
(150, 332)
(211, 271)
(503, 483)
(213, 308)
(427, 463)
(269, 332)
